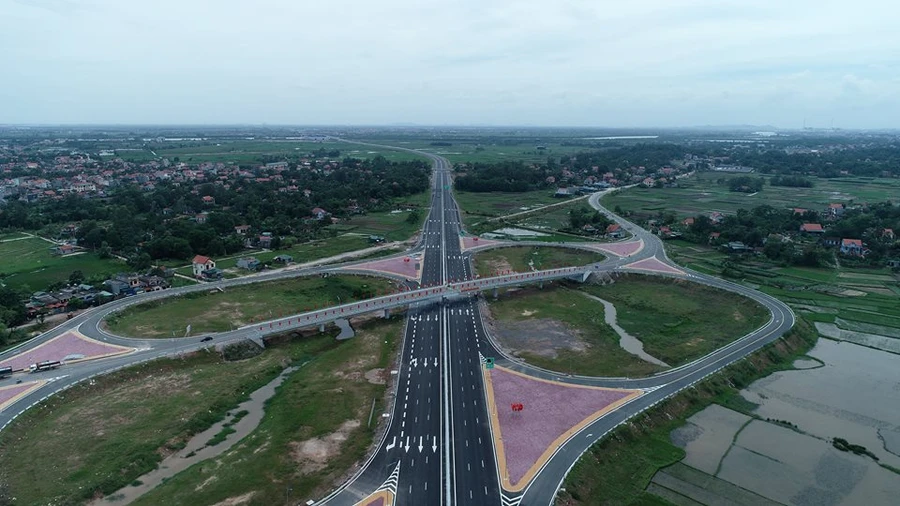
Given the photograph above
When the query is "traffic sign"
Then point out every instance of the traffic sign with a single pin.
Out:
(489, 362)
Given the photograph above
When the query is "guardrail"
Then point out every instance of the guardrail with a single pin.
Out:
(427, 294)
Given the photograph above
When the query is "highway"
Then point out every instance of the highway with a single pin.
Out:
(437, 445)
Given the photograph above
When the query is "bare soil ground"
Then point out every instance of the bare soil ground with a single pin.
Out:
(543, 337)
(314, 454)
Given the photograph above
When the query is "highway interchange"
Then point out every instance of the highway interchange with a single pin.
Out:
(437, 447)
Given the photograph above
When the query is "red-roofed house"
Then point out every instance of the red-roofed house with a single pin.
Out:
(319, 213)
(201, 264)
(812, 228)
(835, 210)
(852, 247)
(614, 230)
(800, 210)
(688, 222)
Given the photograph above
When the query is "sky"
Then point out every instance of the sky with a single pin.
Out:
(635, 63)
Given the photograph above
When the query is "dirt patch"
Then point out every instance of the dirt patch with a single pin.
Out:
(376, 376)
(235, 501)
(851, 293)
(543, 337)
(313, 454)
(499, 264)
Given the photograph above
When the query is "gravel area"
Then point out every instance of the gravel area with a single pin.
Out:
(550, 410)
(399, 266)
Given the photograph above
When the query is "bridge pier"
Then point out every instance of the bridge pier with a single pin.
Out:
(386, 313)
(496, 293)
(541, 285)
(321, 328)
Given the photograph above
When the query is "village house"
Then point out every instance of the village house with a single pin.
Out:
(201, 264)
(241, 229)
(614, 231)
(852, 247)
(319, 213)
(283, 259)
(835, 210)
(248, 263)
(63, 249)
(812, 228)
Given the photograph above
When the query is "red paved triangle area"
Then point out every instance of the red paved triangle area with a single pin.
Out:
(549, 411)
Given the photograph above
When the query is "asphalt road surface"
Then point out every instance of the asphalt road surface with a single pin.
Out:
(437, 447)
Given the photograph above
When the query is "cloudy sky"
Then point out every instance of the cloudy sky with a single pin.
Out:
(452, 62)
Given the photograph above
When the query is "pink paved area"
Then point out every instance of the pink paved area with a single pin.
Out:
(9, 393)
(62, 346)
(620, 249)
(551, 409)
(652, 264)
(398, 266)
(377, 502)
(471, 241)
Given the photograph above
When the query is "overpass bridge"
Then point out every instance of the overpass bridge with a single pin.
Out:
(426, 295)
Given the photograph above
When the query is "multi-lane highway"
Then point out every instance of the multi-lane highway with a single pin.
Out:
(437, 447)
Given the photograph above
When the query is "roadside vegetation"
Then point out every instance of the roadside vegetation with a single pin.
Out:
(524, 258)
(102, 435)
(560, 329)
(618, 469)
(215, 311)
(677, 322)
(398, 224)
(315, 428)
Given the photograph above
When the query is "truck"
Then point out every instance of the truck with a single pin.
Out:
(46, 365)
(6, 372)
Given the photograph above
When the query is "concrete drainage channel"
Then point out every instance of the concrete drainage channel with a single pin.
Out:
(242, 420)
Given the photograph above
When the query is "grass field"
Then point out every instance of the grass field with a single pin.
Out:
(102, 435)
(216, 311)
(700, 194)
(679, 321)
(475, 207)
(821, 294)
(523, 258)
(475, 149)
(391, 225)
(29, 263)
(252, 151)
(602, 357)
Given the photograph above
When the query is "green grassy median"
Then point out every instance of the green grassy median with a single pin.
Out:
(214, 311)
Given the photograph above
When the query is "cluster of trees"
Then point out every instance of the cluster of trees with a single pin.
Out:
(872, 160)
(755, 228)
(746, 184)
(505, 177)
(158, 223)
(580, 216)
(608, 159)
(791, 181)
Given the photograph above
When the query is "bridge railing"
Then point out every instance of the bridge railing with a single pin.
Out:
(427, 294)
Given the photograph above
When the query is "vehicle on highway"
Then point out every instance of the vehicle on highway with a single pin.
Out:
(46, 365)
(206, 339)
(5, 372)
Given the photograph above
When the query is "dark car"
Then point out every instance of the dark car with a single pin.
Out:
(206, 339)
